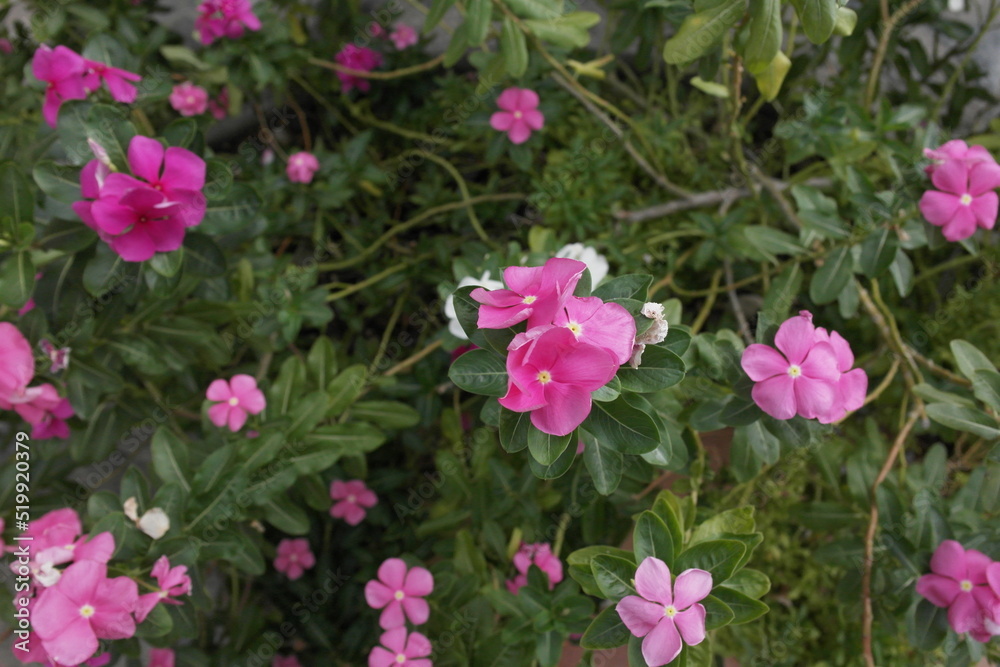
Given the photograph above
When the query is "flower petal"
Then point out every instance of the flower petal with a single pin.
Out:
(392, 573)
(949, 560)
(417, 610)
(652, 581)
(501, 120)
(951, 176)
(983, 177)
(568, 405)
(691, 586)
(219, 391)
(984, 207)
(377, 594)
(963, 613)
(145, 156)
(795, 338)
(691, 624)
(662, 645)
(961, 226)
(419, 581)
(776, 396)
(639, 616)
(761, 362)
(938, 207)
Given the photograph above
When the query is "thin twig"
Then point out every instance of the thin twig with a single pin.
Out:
(734, 301)
(406, 363)
(883, 46)
(382, 76)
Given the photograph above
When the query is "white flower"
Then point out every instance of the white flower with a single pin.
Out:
(656, 333)
(47, 575)
(132, 509)
(956, 5)
(154, 523)
(449, 304)
(596, 262)
(653, 311)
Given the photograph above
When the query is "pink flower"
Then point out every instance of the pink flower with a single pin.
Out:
(959, 582)
(375, 30)
(552, 375)
(220, 105)
(399, 591)
(224, 18)
(852, 385)
(663, 617)
(991, 623)
(81, 608)
(956, 149)
(801, 378)
(63, 70)
(161, 657)
(402, 649)
(535, 294)
(294, 557)
(17, 365)
(188, 99)
(140, 223)
(239, 396)
(519, 115)
(6, 47)
(357, 58)
(301, 167)
(606, 325)
(171, 582)
(117, 80)
(964, 198)
(56, 528)
(353, 497)
(285, 661)
(49, 414)
(403, 36)
(58, 357)
(539, 555)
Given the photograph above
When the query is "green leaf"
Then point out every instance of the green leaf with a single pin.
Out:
(770, 80)
(386, 414)
(290, 384)
(480, 372)
(772, 242)
(609, 392)
(202, 257)
(667, 507)
(614, 576)
(764, 35)
(17, 279)
(901, 271)
(652, 538)
(604, 463)
(548, 648)
(717, 612)
(568, 30)
(513, 48)
(970, 359)
(345, 388)
(926, 625)
(557, 468)
(720, 557)
(818, 18)
(58, 181)
(212, 469)
(628, 286)
(308, 411)
(819, 213)
(751, 583)
(167, 264)
(760, 440)
(170, 458)
(878, 252)
(986, 386)
(321, 363)
(739, 521)
(622, 427)
(286, 516)
(477, 19)
(961, 418)
(183, 56)
(327, 444)
(701, 31)
(514, 428)
(436, 13)
(547, 448)
(745, 609)
(110, 127)
(832, 277)
(456, 49)
(536, 9)
(635, 657)
(660, 368)
(156, 624)
(606, 631)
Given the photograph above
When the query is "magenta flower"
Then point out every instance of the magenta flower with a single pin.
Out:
(965, 197)
(176, 172)
(852, 385)
(403, 36)
(301, 167)
(17, 366)
(552, 375)
(991, 623)
(140, 223)
(959, 582)
(956, 149)
(63, 70)
(47, 413)
(56, 528)
(117, 80)
(401, 649)
(606, 325)
(238, 397)
(353, 498)
(172, 582)
(357, 58)
(535, 294)
(188, 99)
(399, 593)
(161, 657)
(662, 616)
(224, 18)
(294, 557)
(800, 377)
(81, 608)
(285, 661)
(539, 555)
(519, 115)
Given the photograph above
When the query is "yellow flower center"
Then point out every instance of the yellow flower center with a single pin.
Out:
(794, 371)
(87, 611)
(399, 595)
(966, 199)
(517, 114)
(400, 658)
(575, 328)
(234, 401)
(352, 498)
(544, 377)
(529, 299)
(670, 611)
(965, 585)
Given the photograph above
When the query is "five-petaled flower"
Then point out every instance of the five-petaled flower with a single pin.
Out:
(401, 649)
(399, 592)
(540, 555)
(237, 398)
(187, 99)
(353, 498)
(224, 18)
(958, 581)
(965, 198)
(294, 557)
(519, 115)
(171, 581)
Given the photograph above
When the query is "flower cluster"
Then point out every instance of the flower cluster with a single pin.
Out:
(967, 583)
(41, 406)
(808, 375)
(150, 211)
(224, 18)
(540, 555)
(668, 614)
(572, 347)
(399, 592)
(966, 179)
(70, 76)
(357, 58)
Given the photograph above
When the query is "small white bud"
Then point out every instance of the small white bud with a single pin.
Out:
(132, 509)
(154, 523)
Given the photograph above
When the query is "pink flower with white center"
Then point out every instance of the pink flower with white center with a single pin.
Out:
(224, 18)
(285, 661)
(552, 375)
(357, 58)
(519, 116)
(852, 385)
(81, 608)
(403, 36)
(606, 325)
(535, 294)
(98, 548)
(965, 197)
(959, 582)
(220, 105)
(301, 167)
(665, 617)
(188, 99)
(540, 555)
(161, 657)
(401, 649)
(294, 557)
(353, 499)
(172, 582)
(399, 592)
(176, 172)
(63, 70)
(238, 397)
(116, 79)
(140, 223)
(800, 377)
(956, 149)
